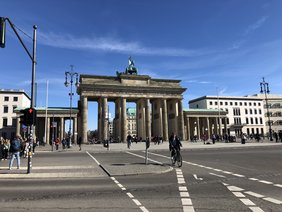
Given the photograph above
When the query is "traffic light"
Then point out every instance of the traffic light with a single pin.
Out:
(28, 117)
(31, 116)
(2, 32)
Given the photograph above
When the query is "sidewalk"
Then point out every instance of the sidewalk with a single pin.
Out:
(164, 146)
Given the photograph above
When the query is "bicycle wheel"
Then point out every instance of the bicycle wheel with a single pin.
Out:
(179, 160)
(173, 160)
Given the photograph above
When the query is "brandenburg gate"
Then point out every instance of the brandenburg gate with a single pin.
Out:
(159, 109)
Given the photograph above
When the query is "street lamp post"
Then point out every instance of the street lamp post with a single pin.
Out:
(264, 88)
(71, 74)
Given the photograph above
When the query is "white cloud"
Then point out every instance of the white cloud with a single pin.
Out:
(113, 45)
(256, 25)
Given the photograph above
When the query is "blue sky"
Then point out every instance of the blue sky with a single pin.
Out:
(223, 46)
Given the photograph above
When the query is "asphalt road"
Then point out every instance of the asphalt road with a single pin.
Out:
(237, 179)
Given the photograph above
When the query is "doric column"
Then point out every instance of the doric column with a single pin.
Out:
(104, 118)
(100, 125)
(180, 121)
(208, 127)
(220, 130)
(75, 130)
(165, 121)
(198, 128)
(117, 120)
(188, 129)
(84, 112)
(123, 120)
(148, 119)
(216, 126)
(18, 126)
(140, 119)
(157, 121)
(225, 126)
(62, 128)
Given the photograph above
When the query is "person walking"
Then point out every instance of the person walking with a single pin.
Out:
(16, 146)
(79, 142)
(57, 143)
(128, 141)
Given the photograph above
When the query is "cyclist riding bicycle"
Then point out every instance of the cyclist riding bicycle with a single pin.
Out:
(174, 144)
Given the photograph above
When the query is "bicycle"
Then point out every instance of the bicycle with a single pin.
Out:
(176, 158)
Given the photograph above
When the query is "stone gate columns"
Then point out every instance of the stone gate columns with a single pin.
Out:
(165, 121)
(48, 131)
(180, 121)
(100, 125)
(148, 119)
(62, 128)
(208, 128)
(123, 120)
(104, 118)
(84, 113)
(117, 120)
(75, 130)
(140, 119)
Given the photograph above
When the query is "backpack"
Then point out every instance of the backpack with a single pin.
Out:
(16, 145)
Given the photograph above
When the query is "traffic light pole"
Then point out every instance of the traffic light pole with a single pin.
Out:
(31, 134)
(33, 59)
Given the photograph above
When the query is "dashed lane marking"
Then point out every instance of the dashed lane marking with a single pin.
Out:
(218, 175)
(183, 191)
(223, 171)
(236, 191)
(136, 201)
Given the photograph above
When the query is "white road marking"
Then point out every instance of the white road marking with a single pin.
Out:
(243, 199)
(144, 158)
(247, 202)
(278, 202)
(122, 187)
(218, 175)
(182, 188)
(196, 177)
(278, 185)
(238, 194)
(254, 179)
(234, 188)
(254, 194)
(266, 182)
(256, 209)
(238, 175)
(184, 194)
(187, 208)
(186, 201)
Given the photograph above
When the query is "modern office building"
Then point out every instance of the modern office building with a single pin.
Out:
(245, 114)
(9, 101)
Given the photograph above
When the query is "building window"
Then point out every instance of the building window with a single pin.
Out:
(247, 121)
(246, 111)
(245, 103)
(5, 122)
(259, 104)
(221, 103)
(251, 111)
(259, 111)
(15, 98)
(236, 103)
(241, 103)
(255, 111)
(250, 104)
(236, 112)
(6, 98)
(210, 102)
(255, 104)
(14, 122)
(231, 103)
(5, 109)
(256, 119)
(260, 120)
(252, 121)
(226, 103)
(215, 103)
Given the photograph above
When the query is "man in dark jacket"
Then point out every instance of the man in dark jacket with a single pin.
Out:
(16, 146)
(174, 144)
